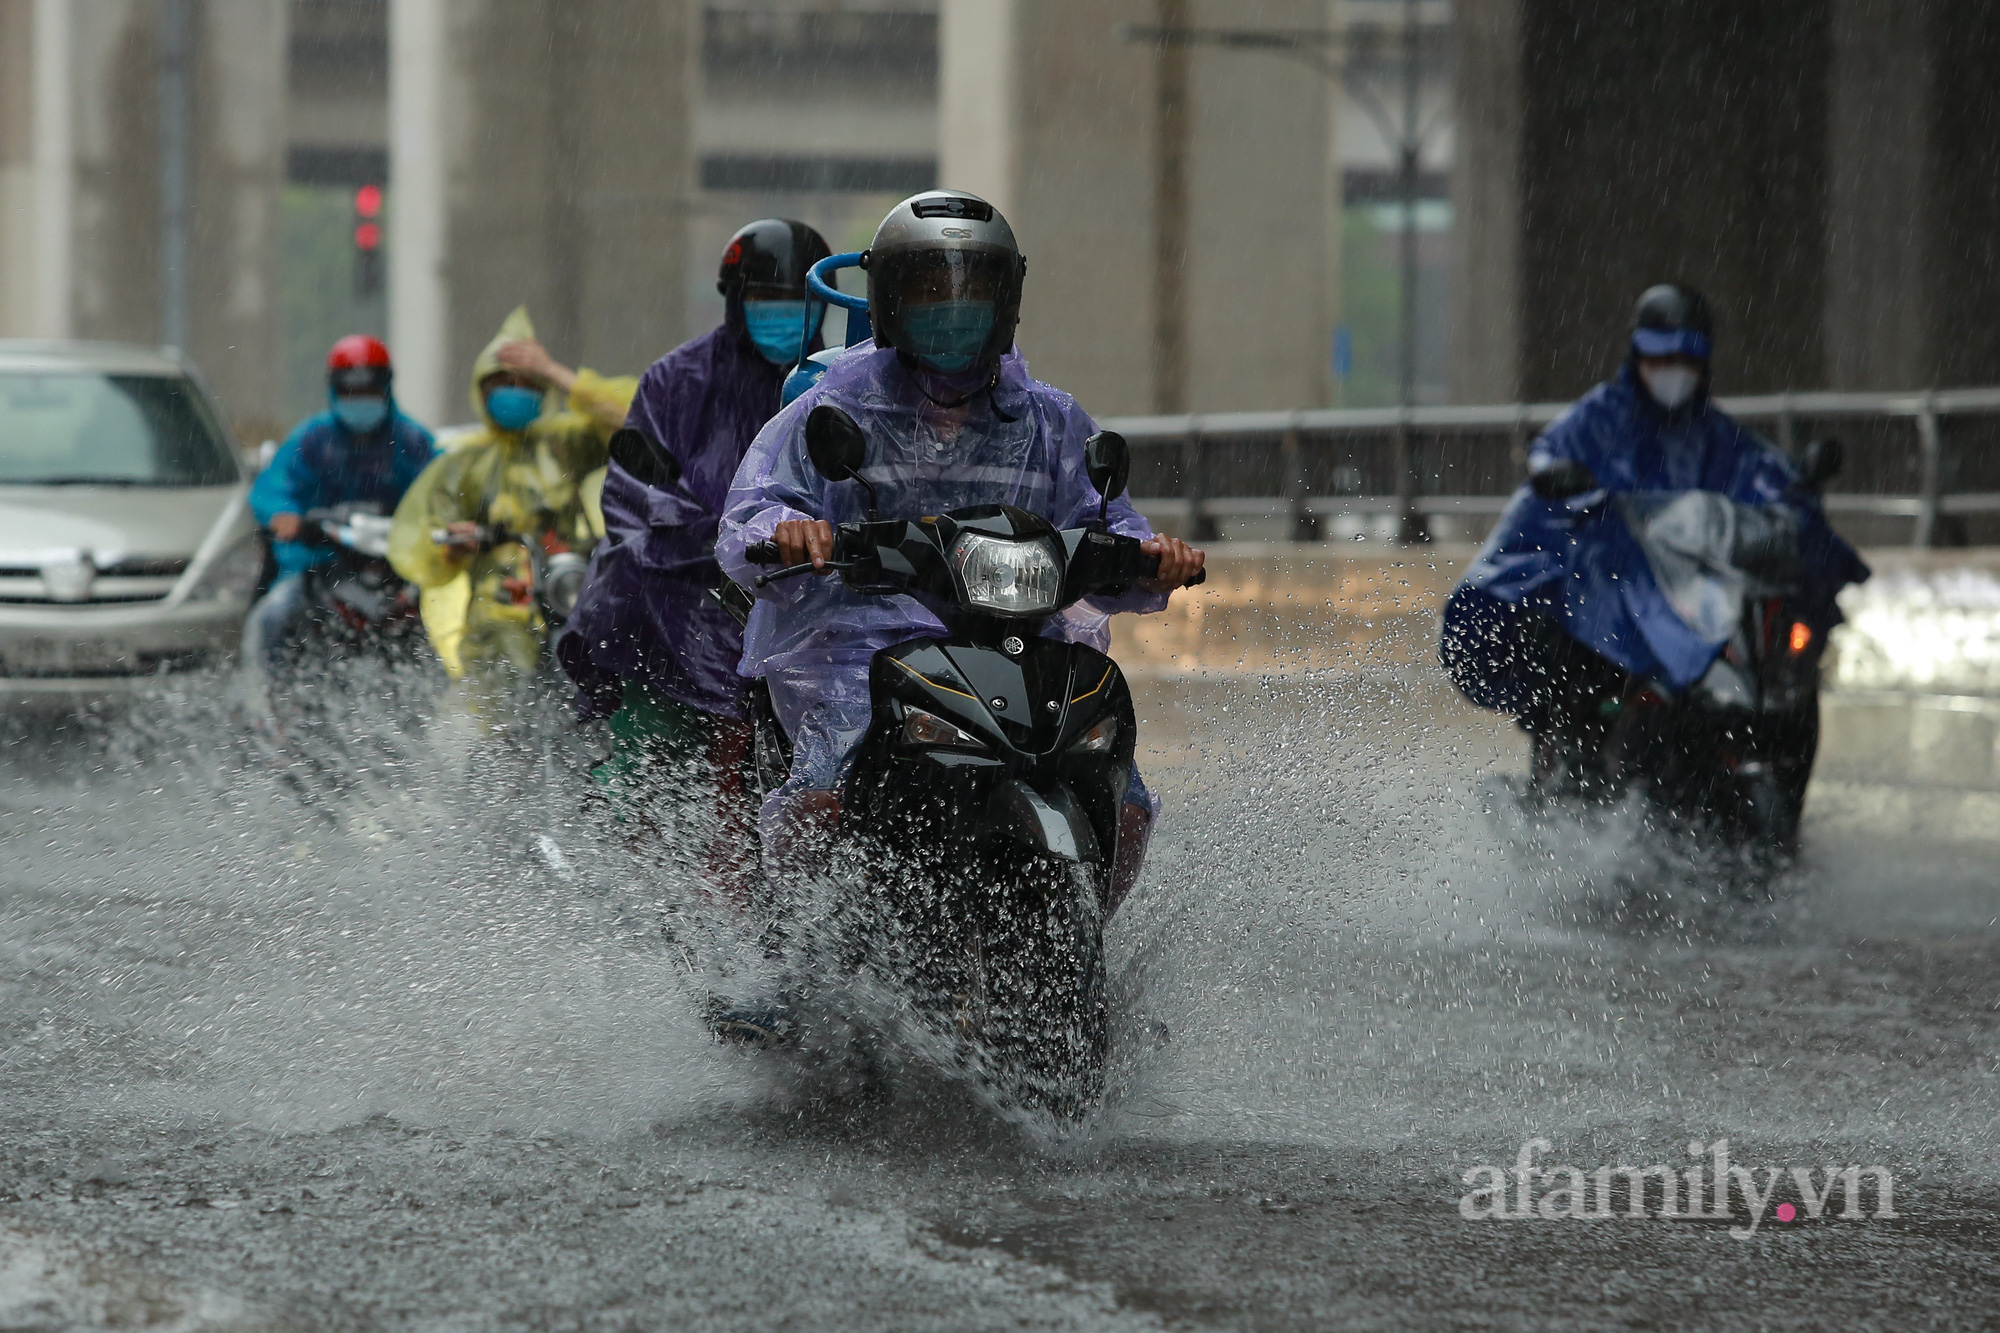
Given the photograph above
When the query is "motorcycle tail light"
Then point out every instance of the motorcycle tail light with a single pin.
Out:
(1099, 739)
(1008, 576)
(1802, 637)
(921, 729)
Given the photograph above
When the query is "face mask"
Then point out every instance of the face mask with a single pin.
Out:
(361, 415)
(1671, 386)
(776, 327)
(513, 407)
(947, 335)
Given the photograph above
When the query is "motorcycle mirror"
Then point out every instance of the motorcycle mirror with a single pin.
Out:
(644, 457)
(1820, 462)
(1108, 461)
(834, 443)
(1562, 479)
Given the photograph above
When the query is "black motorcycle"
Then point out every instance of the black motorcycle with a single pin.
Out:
(354, 604)
(981, 811)
(338, 700)
(1729, 758)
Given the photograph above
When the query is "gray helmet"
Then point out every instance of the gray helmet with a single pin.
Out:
(944, 282)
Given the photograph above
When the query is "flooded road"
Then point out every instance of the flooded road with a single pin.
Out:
(368, 1061)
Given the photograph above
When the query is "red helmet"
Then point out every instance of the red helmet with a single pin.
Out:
(358, 364)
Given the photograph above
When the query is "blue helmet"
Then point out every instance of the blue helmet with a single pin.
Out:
(1673, 321)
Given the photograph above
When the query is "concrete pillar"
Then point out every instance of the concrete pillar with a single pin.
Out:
(1913, 270)
(1655, 142)
(541, 153)
(34, 169)
(979, 98)
(19, 315)
(1487, 109)
(114, 283)
(1876, 298)
(236, 225)
(1056, 114)
(1963, 251)
(1262, 289)
(419, 294)
(95, 239)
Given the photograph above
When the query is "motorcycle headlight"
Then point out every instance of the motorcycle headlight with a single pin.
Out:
(231, 576)
(926, 729)
(1008, 576)
(1099, 739)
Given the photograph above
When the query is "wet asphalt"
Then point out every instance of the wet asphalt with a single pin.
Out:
(361, 1060)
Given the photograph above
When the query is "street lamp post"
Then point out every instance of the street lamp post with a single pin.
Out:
(1406, 134)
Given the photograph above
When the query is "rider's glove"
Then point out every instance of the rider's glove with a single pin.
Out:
(1562, 479)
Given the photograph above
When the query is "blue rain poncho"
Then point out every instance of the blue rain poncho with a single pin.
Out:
(1579, 563)
(811, 638)
(323, 464)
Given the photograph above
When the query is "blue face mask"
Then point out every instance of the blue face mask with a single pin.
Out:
(948, 335)
(776, 327)
(361, 415)
(512, 407)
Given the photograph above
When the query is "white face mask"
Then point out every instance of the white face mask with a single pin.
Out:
(1672, 385)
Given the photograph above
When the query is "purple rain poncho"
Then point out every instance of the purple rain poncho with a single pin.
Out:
(811, 638)
(645, 613)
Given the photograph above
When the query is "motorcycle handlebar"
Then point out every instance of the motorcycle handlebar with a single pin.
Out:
(766, 553)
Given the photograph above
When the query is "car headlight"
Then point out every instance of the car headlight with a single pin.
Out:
(231, 576)
(1007, 576)
(1099, 739)
(926, 729)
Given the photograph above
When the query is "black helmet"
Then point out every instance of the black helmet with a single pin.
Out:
(1673, 321)
(767, 261)
(952, 255)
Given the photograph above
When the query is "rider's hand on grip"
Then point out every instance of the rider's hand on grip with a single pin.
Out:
(1171, 563)
(804, 541)
(1562, 479)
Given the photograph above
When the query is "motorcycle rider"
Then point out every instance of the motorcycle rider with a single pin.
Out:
(360, 450)
(952, 418)
(648, 644)
(527, 471)
(1555, 618)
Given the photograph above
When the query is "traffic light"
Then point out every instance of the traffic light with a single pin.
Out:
(368, 241)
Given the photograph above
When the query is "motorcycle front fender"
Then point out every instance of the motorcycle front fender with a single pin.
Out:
(1052, 822)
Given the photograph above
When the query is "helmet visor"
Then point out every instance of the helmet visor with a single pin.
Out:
(1671, 342)
(359, 379)
(925, 277)
(945, 303)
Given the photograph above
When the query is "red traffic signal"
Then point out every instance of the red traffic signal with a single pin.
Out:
(368, 241)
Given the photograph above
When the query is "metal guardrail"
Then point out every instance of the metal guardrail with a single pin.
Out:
(1243, 464)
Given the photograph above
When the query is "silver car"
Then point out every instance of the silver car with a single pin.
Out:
(126, 548)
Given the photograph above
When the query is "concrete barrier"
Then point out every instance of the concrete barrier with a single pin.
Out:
(1912, 697)
(1281, 607)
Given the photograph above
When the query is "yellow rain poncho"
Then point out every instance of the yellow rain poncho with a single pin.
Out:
(541, 480)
